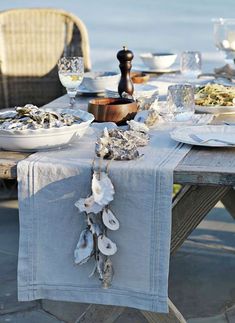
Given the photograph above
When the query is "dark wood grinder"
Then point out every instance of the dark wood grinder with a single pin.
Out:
(125, 57)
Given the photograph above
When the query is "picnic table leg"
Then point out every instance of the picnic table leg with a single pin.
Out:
(229, 202)
(174, 315)
(100, 314)
(190, 206)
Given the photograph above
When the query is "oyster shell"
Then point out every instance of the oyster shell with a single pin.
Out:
(95, 224)
(153, 118)
(106, 246)
(100, 261)
(108, 273)
(138, 126)
(102, 188)
(109, 220)
(85, 247)
(148, 117)
(88, 205)
(141, 116)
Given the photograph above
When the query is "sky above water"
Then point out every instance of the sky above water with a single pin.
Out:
(142, 25)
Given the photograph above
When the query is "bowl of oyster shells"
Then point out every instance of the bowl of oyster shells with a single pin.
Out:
(30, 128)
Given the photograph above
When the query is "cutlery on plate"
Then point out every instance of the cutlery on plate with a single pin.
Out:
(201, 141)
(229, 123)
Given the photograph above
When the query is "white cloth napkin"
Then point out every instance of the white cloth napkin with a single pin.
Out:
(49, 185)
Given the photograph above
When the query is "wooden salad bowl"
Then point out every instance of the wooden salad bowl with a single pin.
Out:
(117, 110)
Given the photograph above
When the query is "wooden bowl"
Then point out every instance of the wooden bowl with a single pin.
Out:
(139, 77)
(116, 110)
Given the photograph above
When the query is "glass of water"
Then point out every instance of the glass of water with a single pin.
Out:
(180, 101)
(71, 71)
(191, 63)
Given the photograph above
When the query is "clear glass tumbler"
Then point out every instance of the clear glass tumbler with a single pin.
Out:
(191, 63)
(180, 101)
(71, 71)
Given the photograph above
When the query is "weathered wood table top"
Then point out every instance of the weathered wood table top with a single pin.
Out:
(202, 166)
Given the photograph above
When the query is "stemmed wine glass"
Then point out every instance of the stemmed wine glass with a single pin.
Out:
(224, 37)
(71, 71)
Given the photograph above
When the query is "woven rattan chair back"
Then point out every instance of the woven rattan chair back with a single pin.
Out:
(31, 43)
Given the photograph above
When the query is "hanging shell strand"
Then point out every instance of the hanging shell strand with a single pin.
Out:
(93, 241)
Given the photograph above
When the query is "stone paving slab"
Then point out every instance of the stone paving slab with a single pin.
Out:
(37, 316)
(8, 267)
(131, 316)
(67, 311)
(215, 319)
(8, 299)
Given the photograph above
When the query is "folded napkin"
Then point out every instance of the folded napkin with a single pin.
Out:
(49, 185)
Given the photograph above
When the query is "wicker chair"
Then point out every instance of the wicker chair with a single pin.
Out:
(31, 42)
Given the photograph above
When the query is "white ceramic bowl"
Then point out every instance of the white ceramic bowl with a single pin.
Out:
(41, 139)
(158, 60)
(140, 90)
(98, 81)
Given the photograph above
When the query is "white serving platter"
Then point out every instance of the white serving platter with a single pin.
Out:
(30, 140)
(205, 132)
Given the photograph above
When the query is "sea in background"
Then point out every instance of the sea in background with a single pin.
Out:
(142, 25)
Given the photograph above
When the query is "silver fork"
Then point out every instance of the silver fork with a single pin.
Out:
(201, 141)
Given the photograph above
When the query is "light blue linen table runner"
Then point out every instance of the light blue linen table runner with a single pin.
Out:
(49, 185)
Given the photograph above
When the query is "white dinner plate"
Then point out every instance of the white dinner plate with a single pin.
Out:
(40, 139)
(145, 69)
(215, 109)
(83, 90)
(220, 132)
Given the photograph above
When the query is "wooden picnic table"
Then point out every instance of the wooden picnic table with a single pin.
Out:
(207, 175)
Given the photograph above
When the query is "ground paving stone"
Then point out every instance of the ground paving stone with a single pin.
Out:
(67, 311)
(8, 299)
(214, 319)
(8, 267)
(131, 316)
(37, 316)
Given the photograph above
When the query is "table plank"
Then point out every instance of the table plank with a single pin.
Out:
(8, 163)
(203, 166)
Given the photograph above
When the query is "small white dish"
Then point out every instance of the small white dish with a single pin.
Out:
(83, 90)
(173, 69)
(158, 60)
(98, 81)
(42, 139)
(205, 132)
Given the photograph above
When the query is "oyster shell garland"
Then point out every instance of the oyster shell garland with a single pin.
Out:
(99, 246)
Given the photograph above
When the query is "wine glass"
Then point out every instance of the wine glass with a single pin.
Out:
(71, 71)
(224, 37)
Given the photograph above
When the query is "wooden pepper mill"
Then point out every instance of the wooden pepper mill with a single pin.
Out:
(125, 57)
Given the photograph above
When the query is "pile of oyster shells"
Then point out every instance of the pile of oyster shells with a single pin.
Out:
(31, 117)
